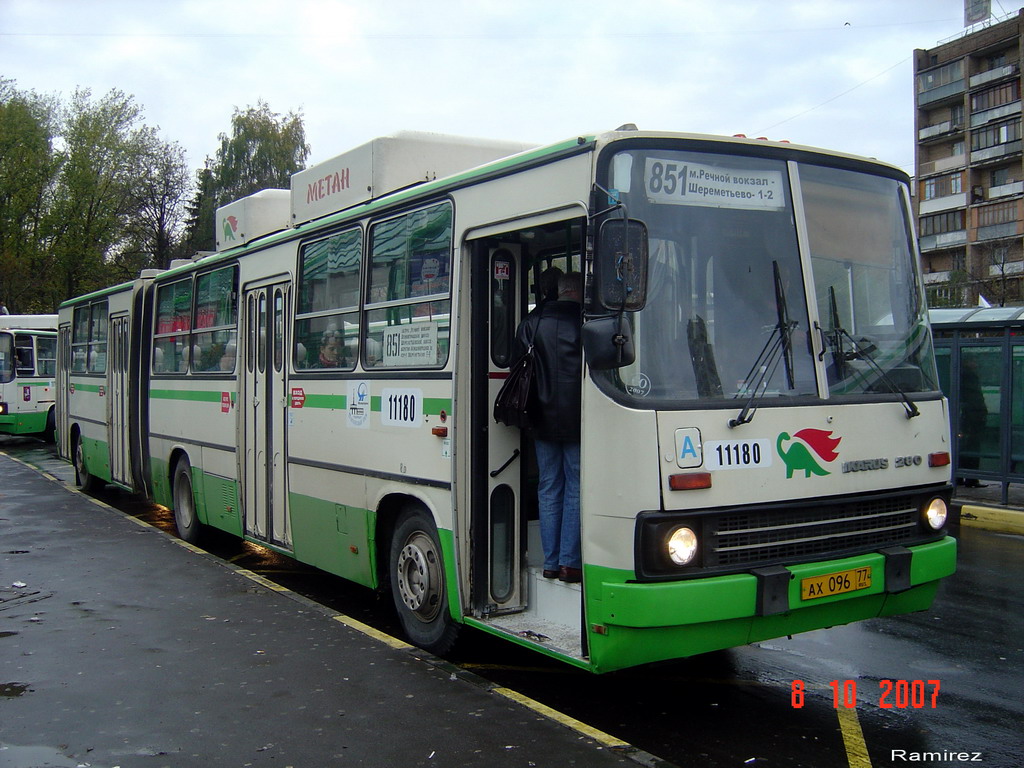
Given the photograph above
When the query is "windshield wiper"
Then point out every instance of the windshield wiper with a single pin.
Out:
(859, 353)
(777, 348)
(841, 356)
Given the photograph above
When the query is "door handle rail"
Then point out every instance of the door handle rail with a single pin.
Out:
(503, 467)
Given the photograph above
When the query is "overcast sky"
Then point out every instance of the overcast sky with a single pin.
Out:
(830, 73)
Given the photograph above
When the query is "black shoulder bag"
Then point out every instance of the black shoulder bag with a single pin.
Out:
(511, 404)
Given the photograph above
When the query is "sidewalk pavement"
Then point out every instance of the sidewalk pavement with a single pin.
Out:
(122, 646)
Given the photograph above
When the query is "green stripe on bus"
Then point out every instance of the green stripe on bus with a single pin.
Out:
(86, 387)
(325, 401)
(200, 396)
(23, 383)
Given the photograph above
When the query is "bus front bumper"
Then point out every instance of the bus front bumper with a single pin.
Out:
(653, 621)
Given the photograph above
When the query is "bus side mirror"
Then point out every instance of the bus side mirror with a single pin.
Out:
(620, 269)
(608, 342)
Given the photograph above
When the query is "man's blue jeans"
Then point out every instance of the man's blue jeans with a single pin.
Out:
(558, 496)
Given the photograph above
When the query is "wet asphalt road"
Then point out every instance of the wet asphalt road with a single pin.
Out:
(942, 687)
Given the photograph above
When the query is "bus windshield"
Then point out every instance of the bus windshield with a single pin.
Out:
(728, 315)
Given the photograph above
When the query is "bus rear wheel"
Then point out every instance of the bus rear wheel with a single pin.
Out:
(418, 584)
(85, 480)
(185, 518)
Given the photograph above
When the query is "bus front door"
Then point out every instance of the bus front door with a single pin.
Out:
(498, 532)
(264, 414)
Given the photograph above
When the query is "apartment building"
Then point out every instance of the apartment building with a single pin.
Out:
(969, 166)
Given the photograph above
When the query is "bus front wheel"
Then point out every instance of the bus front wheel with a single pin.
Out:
(418, 583)
(189, 527)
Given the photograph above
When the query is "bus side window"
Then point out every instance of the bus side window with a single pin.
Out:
(214, 334)
(46, 360)
(327, 313)
(408, 292)
(172, 343)
(24, 355)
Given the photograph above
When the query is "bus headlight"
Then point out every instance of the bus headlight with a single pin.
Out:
(935, 513)
(681, 545)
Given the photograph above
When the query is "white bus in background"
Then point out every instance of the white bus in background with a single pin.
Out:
(28, 368)
(765, 448)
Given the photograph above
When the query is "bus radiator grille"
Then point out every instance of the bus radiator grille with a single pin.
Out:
(766, 535)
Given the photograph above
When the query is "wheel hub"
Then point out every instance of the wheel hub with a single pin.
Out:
(418, 577)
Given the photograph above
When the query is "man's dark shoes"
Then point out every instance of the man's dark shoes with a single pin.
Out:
(550, 573)
(569, 575)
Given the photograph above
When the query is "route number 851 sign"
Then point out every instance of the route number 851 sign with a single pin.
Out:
(677, 182)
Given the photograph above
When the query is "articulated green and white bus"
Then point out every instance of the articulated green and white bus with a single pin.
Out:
(765, 448)
(28, 369)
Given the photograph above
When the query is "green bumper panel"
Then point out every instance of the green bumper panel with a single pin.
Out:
(23, 423)
(633, 623)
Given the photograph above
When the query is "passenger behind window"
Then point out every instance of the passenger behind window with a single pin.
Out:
(227, 360)
(23, 361)
(332, 350)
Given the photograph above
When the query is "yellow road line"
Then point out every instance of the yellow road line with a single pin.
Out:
(853, 738)
(376, 634)
(559, 717)
(255, 577)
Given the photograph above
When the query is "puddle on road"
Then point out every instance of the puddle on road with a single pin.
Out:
(13, 690)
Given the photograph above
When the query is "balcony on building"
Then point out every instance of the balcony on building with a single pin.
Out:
(945, 203)
(943, 240)
(996, 152)
(941, 93)
(998, 231)
(931, 278)
(996, 113)
(991, 75)
(1009, 268)
(1006, 190)
(939, 130)
(943, 164)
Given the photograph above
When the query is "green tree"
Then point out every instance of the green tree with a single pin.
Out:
(97, 190)
(155, 228)
(28, 165)
(263, 150)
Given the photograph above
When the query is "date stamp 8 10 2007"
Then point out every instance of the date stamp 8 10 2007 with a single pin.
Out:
(894, 694)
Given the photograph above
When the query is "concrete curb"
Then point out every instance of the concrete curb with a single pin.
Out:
(992, 518)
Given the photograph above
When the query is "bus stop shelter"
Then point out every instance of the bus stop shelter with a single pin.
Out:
(980, 355)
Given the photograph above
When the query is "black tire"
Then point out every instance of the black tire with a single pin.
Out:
(50, 433)
(184, 499)
(85, 481)
(418, 584)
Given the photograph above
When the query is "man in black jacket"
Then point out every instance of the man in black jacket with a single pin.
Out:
(554, 332)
